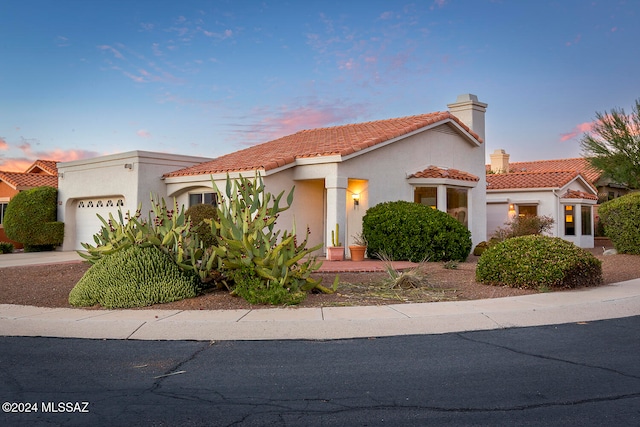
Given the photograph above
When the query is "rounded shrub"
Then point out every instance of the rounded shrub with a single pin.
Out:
(198, 213)
(538, 262)
(620, 218)
(133, 277)
(31, 217)
(414, 232)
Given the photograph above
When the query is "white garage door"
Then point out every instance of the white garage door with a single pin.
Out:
(87, 221)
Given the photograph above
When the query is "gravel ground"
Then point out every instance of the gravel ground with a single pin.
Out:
(49, 286)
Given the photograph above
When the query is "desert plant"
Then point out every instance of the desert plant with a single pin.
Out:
(359, 240)
(414, 277)
(620, 218)
(248, 240)
(202, 216)
(524, 226)
(253, 289)
(451, 265)
(6, 247)
(537, 262)
(335, 236)
(30, 219)
(167, 229)
(133, 277)
(413, 232)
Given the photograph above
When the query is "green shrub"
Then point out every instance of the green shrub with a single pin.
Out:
(133, 277)
(30, 219)
(414, 232)
(620, 218)
(198, 214)
(524, 226)
(537, 262)
(253, 289)
(6, 247)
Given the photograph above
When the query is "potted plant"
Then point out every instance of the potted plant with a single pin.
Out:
(335, 252)
(358, 248)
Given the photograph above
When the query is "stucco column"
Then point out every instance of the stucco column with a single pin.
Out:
(336, 206)
(441, 195)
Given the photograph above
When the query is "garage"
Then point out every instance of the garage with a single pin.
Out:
(87, 221)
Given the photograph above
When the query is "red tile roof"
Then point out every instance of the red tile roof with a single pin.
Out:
(574, 194)
(436, 172)
(338, 140)
(21, 181)
(580, 165)
(504, 181)
(47, 166)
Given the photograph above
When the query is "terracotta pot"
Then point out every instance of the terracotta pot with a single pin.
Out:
(357, 252)
(335, 253)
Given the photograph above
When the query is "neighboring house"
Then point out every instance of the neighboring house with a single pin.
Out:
(339, 172)
(40, 173)
(563, 189)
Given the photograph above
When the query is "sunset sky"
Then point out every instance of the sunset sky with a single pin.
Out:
(85, 78)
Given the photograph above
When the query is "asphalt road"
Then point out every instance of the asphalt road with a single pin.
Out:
(568, 375)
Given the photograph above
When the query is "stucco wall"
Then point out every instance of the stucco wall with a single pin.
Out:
(132, 176)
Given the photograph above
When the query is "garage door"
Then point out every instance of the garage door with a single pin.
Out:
(87, 221)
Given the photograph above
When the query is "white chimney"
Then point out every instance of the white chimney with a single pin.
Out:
(499, 161)
(470, 111)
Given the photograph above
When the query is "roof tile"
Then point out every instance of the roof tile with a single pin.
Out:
(579, 164)
(437, 172)
(541, 179)
(21, 180)
(337, 140)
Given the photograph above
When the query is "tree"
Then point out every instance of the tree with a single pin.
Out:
(613, 145)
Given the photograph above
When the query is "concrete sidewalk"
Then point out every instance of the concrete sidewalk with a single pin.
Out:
(605, 302)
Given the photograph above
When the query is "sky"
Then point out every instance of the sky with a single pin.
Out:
(79, 79)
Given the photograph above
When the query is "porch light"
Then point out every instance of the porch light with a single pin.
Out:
(356, 199)
(512, 208)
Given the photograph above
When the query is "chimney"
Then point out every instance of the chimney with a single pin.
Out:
(499, 161)
(470, 111)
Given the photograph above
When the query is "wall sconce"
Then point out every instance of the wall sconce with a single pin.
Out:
(356, 200)
(128, 166)
(512, 208)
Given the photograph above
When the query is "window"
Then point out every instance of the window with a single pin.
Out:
(427, 196)
(206, 198)
(569, 225)
(457, 201)
(527, 210)
(457, 204)
(585, 212)
(3, 208)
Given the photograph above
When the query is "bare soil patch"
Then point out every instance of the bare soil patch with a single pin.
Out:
(49, 286)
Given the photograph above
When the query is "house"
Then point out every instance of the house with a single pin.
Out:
(564, 190)
(40, 173)
(339, 172)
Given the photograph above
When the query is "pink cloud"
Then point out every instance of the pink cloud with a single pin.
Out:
(114, 51)
(142, 133)
(20, 164)
(576, 40)
(438, 4)
(3, 144)
(578, 130)
(288, 121)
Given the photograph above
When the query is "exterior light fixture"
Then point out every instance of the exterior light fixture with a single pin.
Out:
(356, 200)
(512, 207)
(128, 166)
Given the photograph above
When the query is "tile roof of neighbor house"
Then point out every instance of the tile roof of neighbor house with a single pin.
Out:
(436, 172)
(338, 140)
(21, 180)
(48, 166)
(580, 165)
(516, 180)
